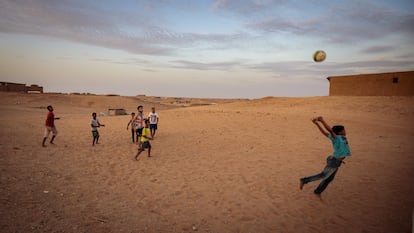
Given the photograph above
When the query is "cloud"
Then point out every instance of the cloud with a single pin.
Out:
(122, 29)
(378, 49)
(297, 70)
(126, 61)
(222, 66)
(333, 22)
(219, 4)
(278, 24)
(372, 66)
(141, 27)
(65, 58)
(76, 22)
(85, 24)
(248, 7)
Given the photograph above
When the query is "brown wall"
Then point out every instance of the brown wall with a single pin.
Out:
(18, 87)
(373, 84)
(14, 87)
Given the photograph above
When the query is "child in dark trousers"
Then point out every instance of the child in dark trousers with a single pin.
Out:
(145, 137)
(341, 150)
(132, 123)
(95, 124)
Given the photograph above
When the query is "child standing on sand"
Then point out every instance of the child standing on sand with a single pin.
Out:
(95, 124)
(153, 120)
(131, 122)
(50, 126)
(139, 123)
(145, 137)
(337, 135)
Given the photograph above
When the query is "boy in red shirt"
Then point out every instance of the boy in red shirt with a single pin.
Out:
(50, 126)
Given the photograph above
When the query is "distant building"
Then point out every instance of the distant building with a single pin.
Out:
(19, 87)
(12, 87)
(34, 89)
(382, 84)
(116, 111)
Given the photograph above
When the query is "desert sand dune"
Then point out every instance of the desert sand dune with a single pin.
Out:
(228, 167)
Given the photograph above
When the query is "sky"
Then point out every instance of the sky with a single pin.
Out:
(201, 48)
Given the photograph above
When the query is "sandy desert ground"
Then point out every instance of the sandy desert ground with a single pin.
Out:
(229, 167)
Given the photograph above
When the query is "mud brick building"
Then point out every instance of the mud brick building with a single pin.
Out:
(381, 84)
(19, 87)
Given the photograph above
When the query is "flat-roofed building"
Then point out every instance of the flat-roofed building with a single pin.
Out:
(20, 87)
(381, 84)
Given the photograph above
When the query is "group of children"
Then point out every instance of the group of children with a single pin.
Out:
(143, 130)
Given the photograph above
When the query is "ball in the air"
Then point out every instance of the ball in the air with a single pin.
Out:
(319, 56)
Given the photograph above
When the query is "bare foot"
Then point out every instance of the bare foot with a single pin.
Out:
(319, 196)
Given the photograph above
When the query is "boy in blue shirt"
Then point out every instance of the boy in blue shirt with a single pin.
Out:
(341, 150)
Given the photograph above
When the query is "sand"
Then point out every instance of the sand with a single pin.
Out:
(233, 166)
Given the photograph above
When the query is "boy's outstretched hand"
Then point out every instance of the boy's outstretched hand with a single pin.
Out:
(320, 119)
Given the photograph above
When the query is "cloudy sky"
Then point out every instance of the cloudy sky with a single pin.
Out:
(201, 48)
